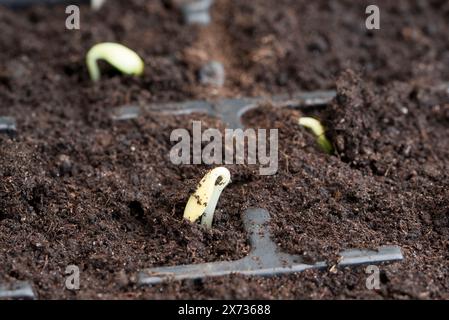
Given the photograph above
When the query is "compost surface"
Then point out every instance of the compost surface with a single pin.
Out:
(79, 188)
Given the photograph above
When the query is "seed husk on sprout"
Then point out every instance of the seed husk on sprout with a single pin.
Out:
(204, 200)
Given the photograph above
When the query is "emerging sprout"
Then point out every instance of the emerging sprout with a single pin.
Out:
(196, 11)
(205, 198)
(318, 130)
(119, 56)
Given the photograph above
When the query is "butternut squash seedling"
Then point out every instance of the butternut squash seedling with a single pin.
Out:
(120, 57)
(205, 198)
(318, 130)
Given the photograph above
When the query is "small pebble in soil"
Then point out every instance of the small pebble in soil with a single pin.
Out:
(65, 165)
(319, 45)
(213, 74)
(122, 279)
(8, 126)
(196, 11)
(18, 69)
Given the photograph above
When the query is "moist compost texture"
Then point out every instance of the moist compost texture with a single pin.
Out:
(79, 188)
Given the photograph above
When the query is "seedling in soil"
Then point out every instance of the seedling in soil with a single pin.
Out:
(318, 130)
(8, 126)
(204, 201)
(120, 57)
(265, 258)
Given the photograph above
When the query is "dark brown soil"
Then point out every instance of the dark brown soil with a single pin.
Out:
(79, 188)
(293, 44)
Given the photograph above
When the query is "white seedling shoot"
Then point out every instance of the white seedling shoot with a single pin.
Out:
(318, 130)
(204, 201)
(120, 57)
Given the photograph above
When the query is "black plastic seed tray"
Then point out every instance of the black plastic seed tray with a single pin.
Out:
(19, 290)
(265, 258)
(230, 111)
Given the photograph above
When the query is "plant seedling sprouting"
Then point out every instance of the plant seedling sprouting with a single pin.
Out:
(318, 130)
(205, 198)
(120, 57)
